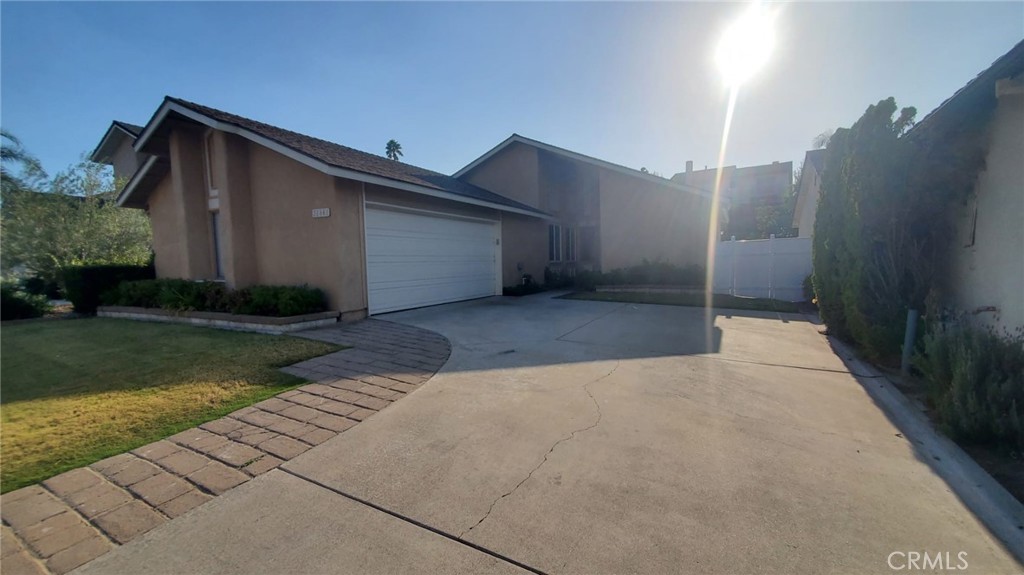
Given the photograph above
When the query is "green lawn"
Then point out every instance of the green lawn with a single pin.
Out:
(722, 301)
(75, 391)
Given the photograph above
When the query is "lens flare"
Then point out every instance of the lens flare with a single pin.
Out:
(746, 45)
(743, 50)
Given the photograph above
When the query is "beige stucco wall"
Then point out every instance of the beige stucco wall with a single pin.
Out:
(292, 247)
(641, 219)
(990, 273)
(230, 169)
(512, 173)
(188, 185)
(166, 216)
(807, 201)
(524, 248)
(124, 160)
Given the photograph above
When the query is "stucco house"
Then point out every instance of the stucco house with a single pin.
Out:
(240, 201)
(984, 263)
(807, 192)
(744, 190)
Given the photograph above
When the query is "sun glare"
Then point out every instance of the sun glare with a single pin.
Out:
(746, 45)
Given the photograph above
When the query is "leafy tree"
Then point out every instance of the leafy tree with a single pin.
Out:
(394, 150)
(74, 221)
(821, 140)
(776, 218)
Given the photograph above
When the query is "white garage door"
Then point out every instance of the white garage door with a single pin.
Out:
(415, 259)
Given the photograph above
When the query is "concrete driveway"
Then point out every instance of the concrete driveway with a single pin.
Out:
(589, 437)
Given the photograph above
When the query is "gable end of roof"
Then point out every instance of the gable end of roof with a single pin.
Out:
(516, 138)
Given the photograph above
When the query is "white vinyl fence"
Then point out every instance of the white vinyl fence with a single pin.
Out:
(773, 268)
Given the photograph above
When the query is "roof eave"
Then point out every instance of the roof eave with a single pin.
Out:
(125, 198)
(514, 138)
(102, 154)
(170, 106)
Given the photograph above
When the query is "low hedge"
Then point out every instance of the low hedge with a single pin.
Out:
(40, 286)
(18, 304)
(976, 383)
(185, 295)
(644, 273)
(86, 285)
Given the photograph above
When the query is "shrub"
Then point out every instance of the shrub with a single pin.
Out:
(297, 300)
(140, 293)
(527, 287)
(85, 285)
(185, 295)
(38, 286)
(17, 304)
(808, 286)
(587, 280)
(557, 280)
(976, 383)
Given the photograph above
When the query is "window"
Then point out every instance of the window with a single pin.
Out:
(215, 235)
(555, 243)
(570, 244)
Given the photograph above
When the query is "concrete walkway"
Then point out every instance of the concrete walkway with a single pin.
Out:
(588, 437)
(77, 516)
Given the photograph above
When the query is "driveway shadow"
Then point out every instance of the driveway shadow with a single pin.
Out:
(544, 330)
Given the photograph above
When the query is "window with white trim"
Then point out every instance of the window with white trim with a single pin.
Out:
(554, 243)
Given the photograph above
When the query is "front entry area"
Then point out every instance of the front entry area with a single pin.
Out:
(416, 258)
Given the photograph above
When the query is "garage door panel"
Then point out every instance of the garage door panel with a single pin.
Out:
(415, 260)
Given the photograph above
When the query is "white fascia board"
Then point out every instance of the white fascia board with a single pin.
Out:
(582, 158)
(136, 178)
(106, 139)
(317, 164)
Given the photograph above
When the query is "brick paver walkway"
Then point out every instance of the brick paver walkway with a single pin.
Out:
(77, 516)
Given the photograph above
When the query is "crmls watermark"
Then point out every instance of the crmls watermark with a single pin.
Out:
(925, 561)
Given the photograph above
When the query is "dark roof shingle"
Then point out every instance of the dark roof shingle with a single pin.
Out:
(351, 159)
(130, 128)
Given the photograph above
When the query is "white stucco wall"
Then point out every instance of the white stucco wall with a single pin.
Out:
(989, 273)
(807, 201)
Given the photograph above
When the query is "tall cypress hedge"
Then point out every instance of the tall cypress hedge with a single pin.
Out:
(882, 222)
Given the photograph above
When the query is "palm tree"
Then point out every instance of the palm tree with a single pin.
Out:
(394, 150)
(12, 153)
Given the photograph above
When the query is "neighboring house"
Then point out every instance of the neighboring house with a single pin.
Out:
(985, 273)
(602, 216)
(808, 191)
(116, 150)
(745, 190)
(243, 202)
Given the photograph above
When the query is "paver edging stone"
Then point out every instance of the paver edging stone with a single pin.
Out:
(121, 497)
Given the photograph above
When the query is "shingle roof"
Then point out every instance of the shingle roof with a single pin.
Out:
(978, 93)
(130, 128)
(352, 159)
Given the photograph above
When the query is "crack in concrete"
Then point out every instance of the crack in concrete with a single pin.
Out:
(600, 415)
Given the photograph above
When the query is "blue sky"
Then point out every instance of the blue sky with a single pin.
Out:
(631, 83)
